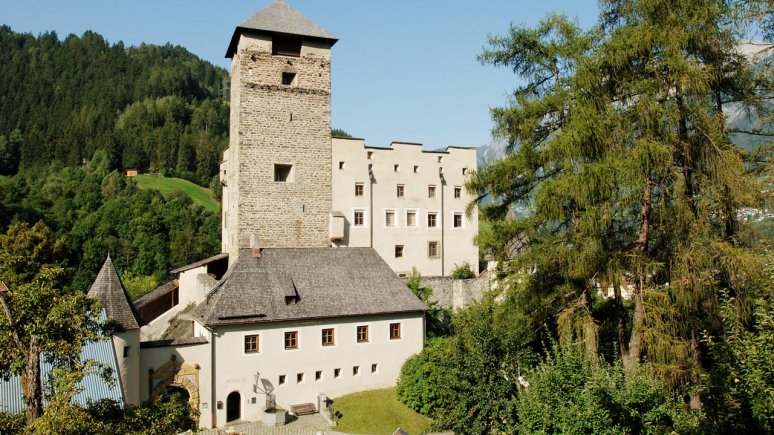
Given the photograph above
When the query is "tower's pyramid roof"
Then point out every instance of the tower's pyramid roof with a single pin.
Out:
(109, 291)
(278, 17)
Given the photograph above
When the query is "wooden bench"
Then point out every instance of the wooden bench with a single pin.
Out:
(303, 409)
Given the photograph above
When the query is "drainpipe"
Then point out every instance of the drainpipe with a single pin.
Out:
(213, 402)
(371, 203)
(443, 223)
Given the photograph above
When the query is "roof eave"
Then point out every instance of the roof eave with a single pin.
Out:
(240, 30)
(214, 324)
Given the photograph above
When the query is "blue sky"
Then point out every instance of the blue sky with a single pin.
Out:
(403, 70)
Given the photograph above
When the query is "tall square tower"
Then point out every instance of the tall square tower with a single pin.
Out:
(276, 173)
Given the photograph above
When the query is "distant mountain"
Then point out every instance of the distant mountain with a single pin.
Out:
(494, 150)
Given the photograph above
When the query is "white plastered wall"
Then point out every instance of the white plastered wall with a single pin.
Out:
(235, 370)
(416, 171)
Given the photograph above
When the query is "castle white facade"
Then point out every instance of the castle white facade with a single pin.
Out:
(305, 302)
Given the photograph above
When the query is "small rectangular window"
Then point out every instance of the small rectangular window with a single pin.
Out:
(394, 331)
(389, 218)
(397, 168)
(457, 191)
(359, 220)
(370, 155)
(457, 220)
(374, 367)
(283, 173)
(281, 380)
(318, 375)
(358, 189)
(341, 165)
(327, 337)
(416, 169)
(431, 191)
(299, 378)
(411, 218)
(432, 249)
(440, 159)
(362, 334)
(464, 171)
(287, 78)
(291, 340)
(398, 251)
(401, 190)
(432, 219)
(355, 370)
(286, 46)
(336, 373)
(126, 351)
(251, 343)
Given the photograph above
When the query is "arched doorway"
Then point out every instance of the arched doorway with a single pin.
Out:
(233, 404)
(175, 390)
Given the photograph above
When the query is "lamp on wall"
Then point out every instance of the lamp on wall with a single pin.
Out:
(257, 377)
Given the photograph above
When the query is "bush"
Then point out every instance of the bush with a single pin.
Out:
(571, 393)
(155, 417)
(463, 271)
(11, 423)
(423, 376)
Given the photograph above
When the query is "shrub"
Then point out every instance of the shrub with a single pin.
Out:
(11, 423)
(463, 271)
(423, 376)
(571, 393)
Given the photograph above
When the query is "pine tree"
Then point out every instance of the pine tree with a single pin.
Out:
(619, 146)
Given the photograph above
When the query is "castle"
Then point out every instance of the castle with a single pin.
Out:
(306, 301)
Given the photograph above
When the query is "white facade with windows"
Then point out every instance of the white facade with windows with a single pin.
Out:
(418, 198)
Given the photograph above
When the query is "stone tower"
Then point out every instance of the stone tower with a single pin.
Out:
(276, 173)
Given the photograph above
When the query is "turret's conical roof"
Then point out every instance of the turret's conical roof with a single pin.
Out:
(109, 291)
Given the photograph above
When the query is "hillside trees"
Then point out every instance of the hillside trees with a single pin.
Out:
(618, 143)
(150, 107)
(97, 211)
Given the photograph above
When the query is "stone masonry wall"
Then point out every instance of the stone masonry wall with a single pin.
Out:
(280, 124)
(456, 293)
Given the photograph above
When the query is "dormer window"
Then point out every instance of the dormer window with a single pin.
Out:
(286, 46)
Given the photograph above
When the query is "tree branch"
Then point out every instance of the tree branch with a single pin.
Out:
(12, 324)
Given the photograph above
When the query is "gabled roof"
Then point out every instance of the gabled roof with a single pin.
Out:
(280, 18)
(310, 283)
(159, 292)
(199, 263)
(109, 291)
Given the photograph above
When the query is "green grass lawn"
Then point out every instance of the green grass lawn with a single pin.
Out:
(377, 412)
(166, 185)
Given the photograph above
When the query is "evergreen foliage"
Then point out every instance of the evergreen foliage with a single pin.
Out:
(619, 145)
(149, 107)
(96, 211)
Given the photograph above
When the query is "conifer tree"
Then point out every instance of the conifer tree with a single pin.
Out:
(619, 145)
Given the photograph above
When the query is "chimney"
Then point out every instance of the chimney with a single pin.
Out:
(255, 245)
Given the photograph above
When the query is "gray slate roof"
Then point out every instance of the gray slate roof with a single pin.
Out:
(278, 17)
(328, 282)
(109, 291)
(158, 292)
(199, 263)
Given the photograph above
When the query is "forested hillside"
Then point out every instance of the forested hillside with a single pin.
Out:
(97, 211)
(76, 112)
(150, 107)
